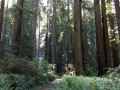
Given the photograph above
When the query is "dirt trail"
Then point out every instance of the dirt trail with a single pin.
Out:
(49, 85)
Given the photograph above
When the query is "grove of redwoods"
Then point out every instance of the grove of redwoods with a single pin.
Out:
(81, 36)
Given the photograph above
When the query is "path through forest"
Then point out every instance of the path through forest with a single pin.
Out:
(50, 85)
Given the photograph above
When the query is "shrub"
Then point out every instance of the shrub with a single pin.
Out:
(88, 83)
(16, 82)
(17, 66)
(89, 70)
(47, 72)
(40, 70)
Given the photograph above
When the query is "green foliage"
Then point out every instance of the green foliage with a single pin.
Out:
(47, 72)
(16, 82)
(88, 83)
(12, 64)
(27, 46)
(90, 70)
(41, 70)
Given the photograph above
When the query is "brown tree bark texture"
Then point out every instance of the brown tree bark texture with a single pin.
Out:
(78, 38)
(1, 16)
(105, 34)
(99, 40)
(19, 28)
(53, 36)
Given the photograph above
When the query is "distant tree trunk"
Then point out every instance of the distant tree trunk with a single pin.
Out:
(68, 38)
(15, 27)
(99, 40)
(114, 47)
(1, 16)
(39, 37)
(78, 29)
(46, 46)
(1, 24)
(47, 55)
(35, 4)
(105, 33)
(117, 10)
(17, 40)
(53, 36)
(5, 23)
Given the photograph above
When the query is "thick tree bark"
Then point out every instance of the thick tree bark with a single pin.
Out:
(117, 10)
(35, 4)
(19, 28)
(1, 16)
(1, 24)
(99, 40)
(78, 29)
(5, 23)
(53, 36)
(105, 33)
(47, 54)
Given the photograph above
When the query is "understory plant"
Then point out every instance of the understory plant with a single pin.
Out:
(22, 74)
(16, 82)
(88, 83)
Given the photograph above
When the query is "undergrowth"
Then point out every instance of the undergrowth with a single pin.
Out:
(16, 82)
(22, 74)
(88, 83)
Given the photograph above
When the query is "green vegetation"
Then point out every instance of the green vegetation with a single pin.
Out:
(16, 82)
(88, 83)
(43, 40)
(23, 74)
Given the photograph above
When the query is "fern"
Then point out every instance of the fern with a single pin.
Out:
(88, 83)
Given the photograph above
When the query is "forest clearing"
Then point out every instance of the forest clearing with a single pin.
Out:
(59, 44)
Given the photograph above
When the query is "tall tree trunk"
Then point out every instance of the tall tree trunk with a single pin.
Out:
(99, 40)
(35, 4)
(105, 33)
(17, 40)
(5, 23)
(78, 29)
(1, 16)
(53, 37)
(68, 38)
(117, 10)
(1, 24)
(38, 51)
(13, 33)
(47, 55)
(114, 47)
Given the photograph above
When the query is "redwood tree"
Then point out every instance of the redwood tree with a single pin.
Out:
(105, 33)
(117, 10)
(53, 36)
(1, 24)
(35, 5)
(1, 16)
(47, 54)
(99, 39)
(78, 38)
(19, 20)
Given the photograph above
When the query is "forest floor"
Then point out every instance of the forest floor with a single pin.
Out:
(49, 85)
